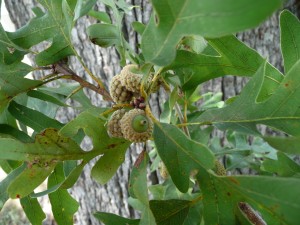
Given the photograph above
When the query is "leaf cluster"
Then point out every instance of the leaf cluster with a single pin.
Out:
(184, 44)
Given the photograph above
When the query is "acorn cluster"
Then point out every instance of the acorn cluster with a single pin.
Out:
(133, 125)
(125, 87)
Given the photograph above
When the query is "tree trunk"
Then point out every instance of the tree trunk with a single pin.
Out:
(113, 196)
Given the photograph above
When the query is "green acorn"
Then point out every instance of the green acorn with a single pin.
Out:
(113, 125)
(118, 92)
(136, 126)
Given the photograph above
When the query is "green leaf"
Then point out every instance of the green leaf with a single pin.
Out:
(93, 126)
(276, 199)
(290, 39)
(9, 165)
(45, 97)
(194, 43)
(54, 25)
(47, 148)
(167, 191)
(102, 16)
(280, 111)
(6, 182)
(12, 82)
(138, 27)
(62, 203)
(107, 165)
(285, 144)
(33, 210)
(73, 176)
(13, 132)
(83, 7)
(180, 154)
(32, 118)
(46, 192)
(9, 52)
(176, 19)
(194, 216)
(235, 58)
(70, 178)
(32, 176)
(138, 179)
(67, 89)
(284, 166)
(104, 35)
(170, 211)
(112, 219)
(138, 188)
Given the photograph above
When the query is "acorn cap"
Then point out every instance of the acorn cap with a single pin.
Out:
(113, 125)
(130, 80)
(136, 126)
(118, 92)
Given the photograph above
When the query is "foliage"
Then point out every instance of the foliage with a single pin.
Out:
(184, 44)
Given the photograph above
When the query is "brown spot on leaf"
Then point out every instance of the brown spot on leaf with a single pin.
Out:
(111, 146)
(233, 180)
(18, 196)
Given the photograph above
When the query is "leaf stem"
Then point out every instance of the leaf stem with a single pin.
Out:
(98, 81)
(182, 120)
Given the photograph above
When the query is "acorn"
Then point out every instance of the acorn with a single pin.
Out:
(130, 80)
(113, 125)
(136, 126)
(118, 92)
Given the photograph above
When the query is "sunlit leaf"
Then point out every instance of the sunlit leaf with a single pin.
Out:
(48, 147)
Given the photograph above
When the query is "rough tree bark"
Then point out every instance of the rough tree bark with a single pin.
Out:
(112, 197)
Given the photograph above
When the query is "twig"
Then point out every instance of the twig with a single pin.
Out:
(69, 74)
